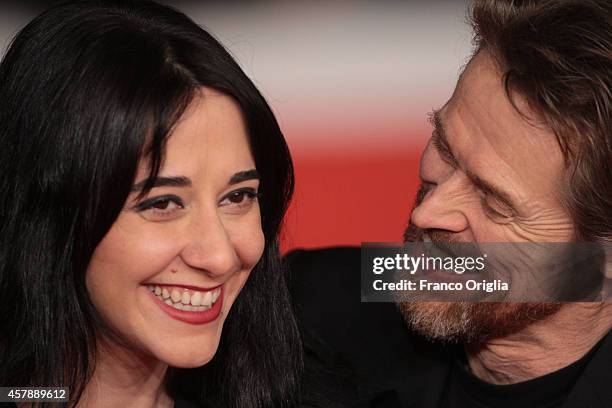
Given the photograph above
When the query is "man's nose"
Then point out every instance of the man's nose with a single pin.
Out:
(209, 247)
(441, 208)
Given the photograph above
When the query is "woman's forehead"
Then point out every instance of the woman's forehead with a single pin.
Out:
(209, 140)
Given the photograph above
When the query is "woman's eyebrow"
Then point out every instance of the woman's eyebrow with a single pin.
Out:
(163, 182)
(186, 182)
(243, 176)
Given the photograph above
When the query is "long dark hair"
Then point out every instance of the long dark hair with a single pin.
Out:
(87, 89)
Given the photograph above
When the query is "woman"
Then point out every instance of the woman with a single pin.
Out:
(143, 183)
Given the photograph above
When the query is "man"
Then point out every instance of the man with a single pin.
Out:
(522, 152)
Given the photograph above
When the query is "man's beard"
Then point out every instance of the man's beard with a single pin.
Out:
(467, 322)
(473, 322)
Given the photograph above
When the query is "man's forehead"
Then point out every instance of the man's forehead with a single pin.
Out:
(482, 65)
(480, 99)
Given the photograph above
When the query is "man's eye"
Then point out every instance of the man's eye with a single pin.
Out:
(495, 209)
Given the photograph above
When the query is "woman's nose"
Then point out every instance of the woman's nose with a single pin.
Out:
(209, 247)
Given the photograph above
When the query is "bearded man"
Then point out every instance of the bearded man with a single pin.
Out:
(521, 153)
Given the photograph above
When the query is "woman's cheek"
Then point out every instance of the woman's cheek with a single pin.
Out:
(254, 247)
(126, 257)
(144, 251)
(247, 238)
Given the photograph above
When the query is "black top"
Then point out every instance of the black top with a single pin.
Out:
(363, 355)
(357, 354)
(181, 403)
(464, 390)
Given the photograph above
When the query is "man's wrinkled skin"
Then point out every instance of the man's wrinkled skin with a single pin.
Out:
(484, 139)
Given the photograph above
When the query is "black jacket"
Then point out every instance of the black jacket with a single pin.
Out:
(363, 355)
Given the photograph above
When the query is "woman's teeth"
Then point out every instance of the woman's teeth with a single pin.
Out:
(185, 299)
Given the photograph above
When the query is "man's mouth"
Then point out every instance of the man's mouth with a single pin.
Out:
(186, 299)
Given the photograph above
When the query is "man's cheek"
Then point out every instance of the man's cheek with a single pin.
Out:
(545, 225)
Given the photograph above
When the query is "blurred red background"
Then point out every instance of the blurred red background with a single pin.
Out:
(344, 199)
(351, 83)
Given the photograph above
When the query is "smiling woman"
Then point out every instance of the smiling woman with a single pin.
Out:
(143, 181)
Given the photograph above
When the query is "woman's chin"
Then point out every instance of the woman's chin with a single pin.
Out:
(183, 355)
(189, 360)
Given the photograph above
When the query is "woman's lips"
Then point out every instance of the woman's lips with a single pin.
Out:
(187, 305)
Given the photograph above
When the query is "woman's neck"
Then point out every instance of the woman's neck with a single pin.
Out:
(125, 378)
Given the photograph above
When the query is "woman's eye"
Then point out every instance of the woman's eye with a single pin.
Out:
(160, 206)
(241, 198)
